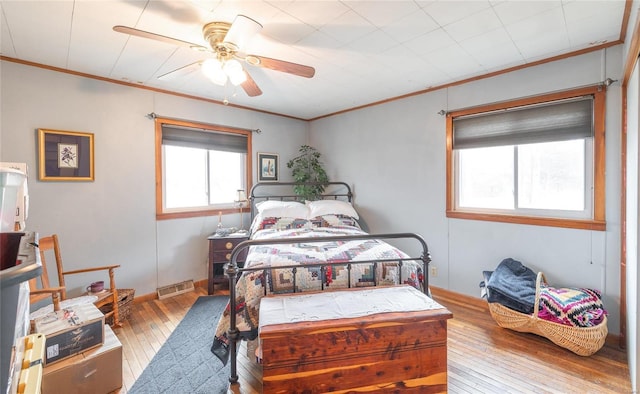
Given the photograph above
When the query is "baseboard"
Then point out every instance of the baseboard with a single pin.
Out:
(145, 297)
(154, 295)
(201, 283)
(448, 296)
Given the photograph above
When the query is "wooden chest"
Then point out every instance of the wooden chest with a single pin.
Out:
(380, 352)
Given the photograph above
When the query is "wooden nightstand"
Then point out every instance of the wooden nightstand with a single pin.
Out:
(220, 248)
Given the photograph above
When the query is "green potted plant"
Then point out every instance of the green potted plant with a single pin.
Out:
(308, 173)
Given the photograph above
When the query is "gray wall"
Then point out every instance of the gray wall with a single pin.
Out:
(394, 154)
(633, 201)
(112, 220)
(633, 224)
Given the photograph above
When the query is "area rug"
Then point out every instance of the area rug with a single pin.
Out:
(185, 364)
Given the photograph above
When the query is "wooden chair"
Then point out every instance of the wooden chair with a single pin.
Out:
(108, 297)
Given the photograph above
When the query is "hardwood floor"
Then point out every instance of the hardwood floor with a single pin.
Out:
(482, 357)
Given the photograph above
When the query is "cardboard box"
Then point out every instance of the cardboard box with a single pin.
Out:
(95, 371)
(71, 331)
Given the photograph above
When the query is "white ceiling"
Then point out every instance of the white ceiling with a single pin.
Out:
(363, 51)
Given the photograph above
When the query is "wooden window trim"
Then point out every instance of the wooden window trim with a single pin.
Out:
(598, 221)
(160, 215)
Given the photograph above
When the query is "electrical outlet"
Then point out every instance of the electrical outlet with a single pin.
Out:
(434, 271)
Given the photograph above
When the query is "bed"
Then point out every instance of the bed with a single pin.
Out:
(308, 247)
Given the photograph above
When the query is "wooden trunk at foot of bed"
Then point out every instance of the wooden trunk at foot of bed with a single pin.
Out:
(380, 353)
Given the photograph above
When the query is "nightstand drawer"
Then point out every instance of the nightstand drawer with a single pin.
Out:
(221, 256)
(225, 243)
(220, 249)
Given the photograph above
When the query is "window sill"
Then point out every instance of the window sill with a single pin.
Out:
(582, 224)
(193, 214)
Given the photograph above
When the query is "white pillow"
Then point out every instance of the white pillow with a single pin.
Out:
(257, 220)
(282, 209)
(331, 207)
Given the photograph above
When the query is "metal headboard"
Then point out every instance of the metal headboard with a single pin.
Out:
(283, 191)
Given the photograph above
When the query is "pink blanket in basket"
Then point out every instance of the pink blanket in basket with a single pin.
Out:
(576, 307)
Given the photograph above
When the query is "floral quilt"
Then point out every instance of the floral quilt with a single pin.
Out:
(252, 286)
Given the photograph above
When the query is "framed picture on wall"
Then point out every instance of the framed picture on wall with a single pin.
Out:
(65, 156)
(268, 167)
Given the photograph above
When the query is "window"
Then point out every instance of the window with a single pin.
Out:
(532, 161)
(200, 168)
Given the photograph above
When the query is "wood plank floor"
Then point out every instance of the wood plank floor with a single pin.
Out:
(482, 357)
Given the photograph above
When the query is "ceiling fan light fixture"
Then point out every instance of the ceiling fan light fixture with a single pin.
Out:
(238, 78)
(234, 71)
(219, 79)
(241, 31)
(231, 67)
(212, 69)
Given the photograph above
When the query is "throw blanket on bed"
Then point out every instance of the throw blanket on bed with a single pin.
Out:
(513, 285)
(576, 307)
(252, 285)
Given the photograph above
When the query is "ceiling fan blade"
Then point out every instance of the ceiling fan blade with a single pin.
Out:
(281, 65)
(180, 72)
(241, 31)
(250, 87)
(158, 37)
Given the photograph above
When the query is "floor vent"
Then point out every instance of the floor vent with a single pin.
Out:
(175, 289)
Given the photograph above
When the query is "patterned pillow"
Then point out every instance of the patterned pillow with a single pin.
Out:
(334, 221)
(282, 223)
(576, 307)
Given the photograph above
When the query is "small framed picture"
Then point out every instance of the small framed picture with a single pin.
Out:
(65, 155)
(268, 167)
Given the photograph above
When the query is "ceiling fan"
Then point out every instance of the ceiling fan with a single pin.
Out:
(226, 41)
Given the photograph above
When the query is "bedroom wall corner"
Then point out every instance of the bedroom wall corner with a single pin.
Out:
(394, 156)
(633, 225)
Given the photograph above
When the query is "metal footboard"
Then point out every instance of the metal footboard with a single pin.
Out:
(233, 272)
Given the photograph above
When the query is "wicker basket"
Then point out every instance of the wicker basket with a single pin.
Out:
(583, 341)
(125, 301)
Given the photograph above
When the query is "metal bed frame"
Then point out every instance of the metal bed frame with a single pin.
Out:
(233, 271)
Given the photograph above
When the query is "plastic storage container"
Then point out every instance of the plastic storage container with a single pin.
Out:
(10, 182)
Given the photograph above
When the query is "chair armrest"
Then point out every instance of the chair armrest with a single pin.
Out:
(80, 271)
(56, 294)
(48, 290)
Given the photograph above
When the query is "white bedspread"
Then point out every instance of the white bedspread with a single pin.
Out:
(343, 304)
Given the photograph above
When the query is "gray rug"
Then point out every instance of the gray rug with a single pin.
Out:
(184, 364)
